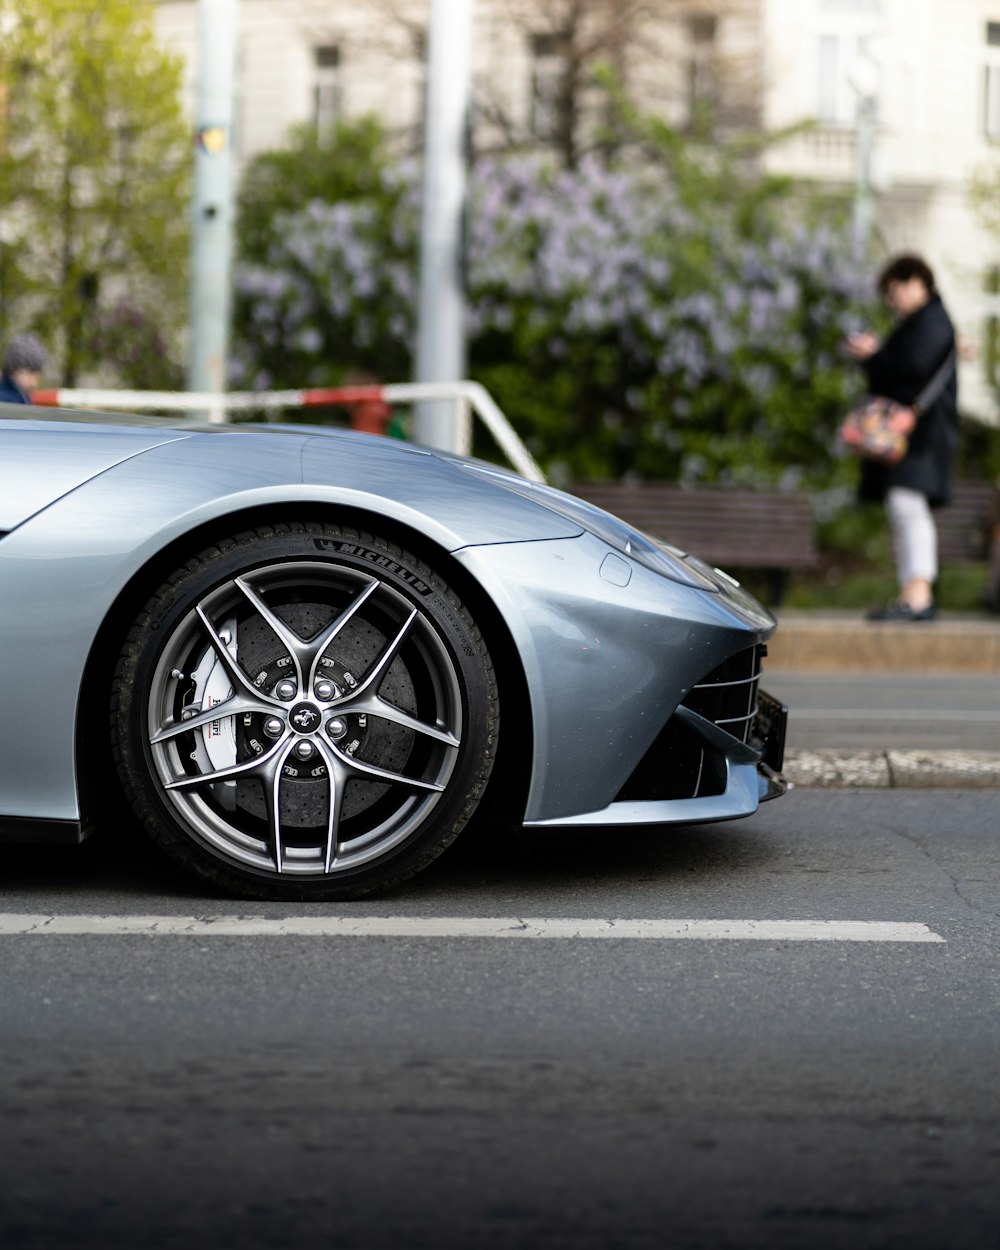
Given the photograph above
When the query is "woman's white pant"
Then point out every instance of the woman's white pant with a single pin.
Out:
(914, 534)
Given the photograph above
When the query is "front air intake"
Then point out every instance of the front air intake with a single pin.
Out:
(728, 695)
(680, 764)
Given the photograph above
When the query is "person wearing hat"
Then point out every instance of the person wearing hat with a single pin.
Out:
(23, 363)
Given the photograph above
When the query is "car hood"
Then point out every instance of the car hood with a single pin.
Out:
(81, 453)
(180, 466)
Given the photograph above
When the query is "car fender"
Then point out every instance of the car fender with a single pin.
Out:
(602, 682)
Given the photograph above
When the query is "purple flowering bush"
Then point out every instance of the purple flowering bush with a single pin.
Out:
(128, 342)
(622, 330)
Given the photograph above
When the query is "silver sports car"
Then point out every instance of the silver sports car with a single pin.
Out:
(307, 658)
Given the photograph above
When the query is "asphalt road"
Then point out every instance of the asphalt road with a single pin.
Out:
(868, 711)
(356, 1092)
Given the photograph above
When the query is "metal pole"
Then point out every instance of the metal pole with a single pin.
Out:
(441, 309)
(212, 227)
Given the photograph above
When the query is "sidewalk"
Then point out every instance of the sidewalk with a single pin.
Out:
(871, 704)
(844, 642)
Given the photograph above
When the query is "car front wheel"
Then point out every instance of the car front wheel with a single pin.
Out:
(304, 712)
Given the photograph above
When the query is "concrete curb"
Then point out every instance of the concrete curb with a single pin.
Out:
(912, 770)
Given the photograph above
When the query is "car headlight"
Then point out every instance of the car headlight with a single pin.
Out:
(652, 554)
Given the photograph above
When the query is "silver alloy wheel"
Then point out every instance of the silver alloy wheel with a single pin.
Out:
(304, 718)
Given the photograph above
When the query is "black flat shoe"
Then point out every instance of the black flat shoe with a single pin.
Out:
(899, 611)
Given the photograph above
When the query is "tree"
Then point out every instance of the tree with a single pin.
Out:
(346, 164)
(623, 330)
(94, 174)
(691, 60)
(672, 312)
(664, 50)
(326, 244)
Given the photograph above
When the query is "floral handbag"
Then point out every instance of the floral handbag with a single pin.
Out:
(879, 428)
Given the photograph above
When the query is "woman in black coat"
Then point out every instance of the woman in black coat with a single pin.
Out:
(921, 343)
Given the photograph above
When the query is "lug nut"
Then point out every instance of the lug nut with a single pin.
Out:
(337, 727)
(273, 726)
(304, 750)
(285, 690)
(325, 689)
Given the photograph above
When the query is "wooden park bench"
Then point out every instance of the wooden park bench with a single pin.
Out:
(964, 525)
(769, 530)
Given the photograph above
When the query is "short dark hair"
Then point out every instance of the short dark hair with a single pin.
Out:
(904, 267)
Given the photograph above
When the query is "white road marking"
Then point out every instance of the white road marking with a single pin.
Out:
(959, 716)
(13, 924)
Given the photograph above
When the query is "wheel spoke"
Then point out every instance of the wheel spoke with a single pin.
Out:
(297, 648)
(373, 705)
(359, 768)
(378, 670)
(319, 645)
(235, 673)
(337, 779)
(248, 768)
(272, 775)
(233, 706)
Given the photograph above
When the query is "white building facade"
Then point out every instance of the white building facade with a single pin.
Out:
(930, 72)
(901, 97)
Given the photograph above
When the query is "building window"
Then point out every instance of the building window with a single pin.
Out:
(836, 90)
(549, 67)
(991, 117)
(845, 66)
(326, 88)
(702, 33)
(828, 104)
(991, 82)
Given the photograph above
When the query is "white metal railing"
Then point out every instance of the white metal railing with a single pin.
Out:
(467, 396)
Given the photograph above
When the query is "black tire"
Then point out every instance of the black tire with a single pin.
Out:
(357, 714)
